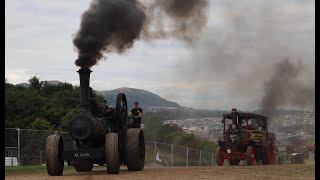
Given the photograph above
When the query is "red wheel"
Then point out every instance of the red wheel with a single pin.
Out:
(219, 156)
(271, 154)
(250, 156)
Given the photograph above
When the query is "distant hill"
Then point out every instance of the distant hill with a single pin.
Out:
(146, 99)
(23, 85)
(53, 82)
(154, 103)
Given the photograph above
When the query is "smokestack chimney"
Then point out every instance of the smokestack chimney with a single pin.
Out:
(84, 74)
(235, 114)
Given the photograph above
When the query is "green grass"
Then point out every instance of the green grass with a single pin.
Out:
(12, 170)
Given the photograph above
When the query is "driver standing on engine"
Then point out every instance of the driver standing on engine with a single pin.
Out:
(105, 107)
(137, 114)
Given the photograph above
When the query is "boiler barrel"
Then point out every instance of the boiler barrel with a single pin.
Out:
(84, 127)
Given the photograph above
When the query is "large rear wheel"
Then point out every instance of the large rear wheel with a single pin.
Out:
(112, 153)
(250, 156)
(219, 156)
(135, 149)
(54, 149)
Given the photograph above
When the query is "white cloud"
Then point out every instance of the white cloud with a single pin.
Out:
(16, 76)
(38, 41)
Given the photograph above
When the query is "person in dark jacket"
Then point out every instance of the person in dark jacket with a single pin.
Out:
(136, 113)
(105, 107)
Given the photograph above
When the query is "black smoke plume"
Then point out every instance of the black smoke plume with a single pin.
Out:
(181, 19)
(284, 88)
(114, 25)
(108, 25)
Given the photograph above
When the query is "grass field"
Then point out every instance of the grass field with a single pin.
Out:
(16, 170)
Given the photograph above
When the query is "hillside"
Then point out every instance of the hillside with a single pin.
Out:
(53, 83)
(146, 99)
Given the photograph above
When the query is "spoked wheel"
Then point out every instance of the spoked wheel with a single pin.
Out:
(250, 157)
(122, 110)
(135, 149)
(234, 162)
(219, 156)
(54, 149)
(271, 154)
(82, 165)
(112, 153)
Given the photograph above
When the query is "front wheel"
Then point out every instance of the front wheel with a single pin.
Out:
(250, 156)
(54, 149)
(112, 153)
(219, 156)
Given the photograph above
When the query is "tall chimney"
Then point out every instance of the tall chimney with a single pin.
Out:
(235, 114)
(84, 74)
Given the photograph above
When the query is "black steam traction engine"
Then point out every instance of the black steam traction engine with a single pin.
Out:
(100, 139)
(245, 138)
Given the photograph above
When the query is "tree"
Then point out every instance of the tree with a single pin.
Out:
(41, 124)
(35, 82)
(66, 119)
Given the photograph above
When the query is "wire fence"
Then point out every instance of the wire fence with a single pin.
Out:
(27, 147)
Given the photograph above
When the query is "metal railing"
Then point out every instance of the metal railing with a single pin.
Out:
(28, 146)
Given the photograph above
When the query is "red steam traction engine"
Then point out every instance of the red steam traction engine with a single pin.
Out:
(246, 137)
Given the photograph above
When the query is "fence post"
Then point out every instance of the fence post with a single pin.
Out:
(155, 150)
(11, 159)
(212, 159)
(40, 157)
(187, 156)
(18, 146)
(172, 155)
(200, 159)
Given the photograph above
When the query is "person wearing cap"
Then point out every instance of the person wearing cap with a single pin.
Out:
(136, 112)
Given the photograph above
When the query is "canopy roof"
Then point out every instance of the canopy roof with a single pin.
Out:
(244, 114)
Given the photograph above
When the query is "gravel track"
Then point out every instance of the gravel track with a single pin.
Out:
(288, 171)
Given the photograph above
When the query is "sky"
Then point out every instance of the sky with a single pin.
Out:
(225, 68)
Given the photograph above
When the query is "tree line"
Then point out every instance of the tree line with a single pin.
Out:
(43, 106)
